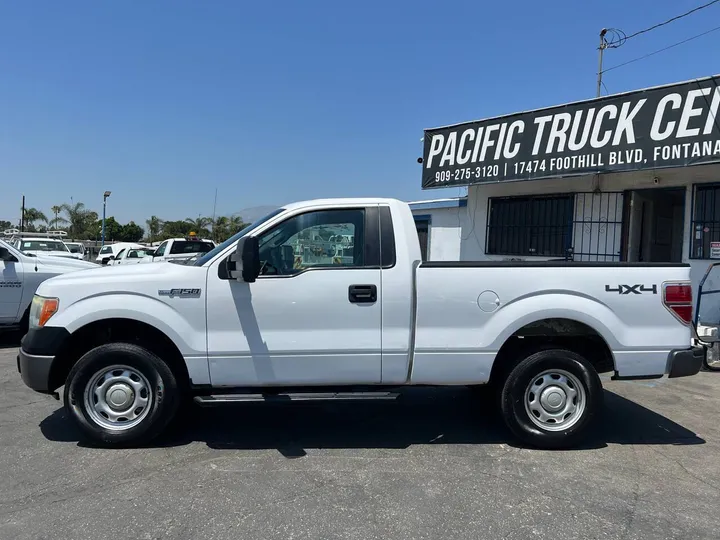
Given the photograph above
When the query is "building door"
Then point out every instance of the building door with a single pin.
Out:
(655, 224)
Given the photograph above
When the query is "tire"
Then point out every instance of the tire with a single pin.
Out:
(137, 389)
(708, 367)
(562, 392)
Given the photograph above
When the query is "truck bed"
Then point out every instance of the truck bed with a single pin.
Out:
(467, 310)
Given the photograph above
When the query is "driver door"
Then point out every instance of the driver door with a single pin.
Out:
(313, 315)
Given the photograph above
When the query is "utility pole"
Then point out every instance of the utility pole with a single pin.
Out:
(601, 49)
(22, 217)
(102, 240)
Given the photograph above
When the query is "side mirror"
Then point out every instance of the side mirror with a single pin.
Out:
(248, 254)
(6, 256)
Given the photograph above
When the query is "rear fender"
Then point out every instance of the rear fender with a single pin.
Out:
(513, 316)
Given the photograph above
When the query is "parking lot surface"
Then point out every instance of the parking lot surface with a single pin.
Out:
(434, 464)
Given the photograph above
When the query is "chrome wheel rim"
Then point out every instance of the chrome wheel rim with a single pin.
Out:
(555, 400)
(118, 398)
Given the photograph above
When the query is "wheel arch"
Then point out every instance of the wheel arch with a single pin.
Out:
(551, 333)
(117, 329)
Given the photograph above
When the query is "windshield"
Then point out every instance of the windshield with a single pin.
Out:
(105, 249)
(190, 246)
(75, 248)
(234, 238)
(43, 245)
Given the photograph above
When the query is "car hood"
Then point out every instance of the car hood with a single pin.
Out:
(135, 278)
(63, 264)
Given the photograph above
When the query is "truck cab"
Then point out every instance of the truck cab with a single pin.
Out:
(180, 250)
(20, 275)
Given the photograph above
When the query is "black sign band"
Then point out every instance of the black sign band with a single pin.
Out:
(669, 126)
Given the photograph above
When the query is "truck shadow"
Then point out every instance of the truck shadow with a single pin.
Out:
(420, 416)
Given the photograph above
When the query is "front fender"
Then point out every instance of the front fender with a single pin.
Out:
(188, 336)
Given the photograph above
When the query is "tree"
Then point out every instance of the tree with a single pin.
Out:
(220, 229)
(236, 224)
(131, 232)
(154, 226)
(58, 220)
(199, 225)
(175, 229)
(4, 225)
(33, 215)
(79, 219)
(113, 229)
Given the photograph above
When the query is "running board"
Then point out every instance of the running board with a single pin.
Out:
(217, 399)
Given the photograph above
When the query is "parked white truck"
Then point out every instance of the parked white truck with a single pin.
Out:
(20, 275)
(267, 315)
(180, 250)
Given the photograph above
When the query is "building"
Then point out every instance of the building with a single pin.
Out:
(630, 177)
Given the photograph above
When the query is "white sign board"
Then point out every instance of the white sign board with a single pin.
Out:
(715, 250)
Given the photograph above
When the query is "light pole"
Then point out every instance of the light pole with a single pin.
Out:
(105, 196)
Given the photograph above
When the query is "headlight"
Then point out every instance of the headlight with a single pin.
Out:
(41, 310)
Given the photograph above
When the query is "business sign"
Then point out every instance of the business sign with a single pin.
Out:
(669, 126)
(715, 250)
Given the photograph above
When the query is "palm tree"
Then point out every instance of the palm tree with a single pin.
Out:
(32, 215)
(59, 220)
(220, 229)
(154, 224)
(235, 224)
(199, 225)
(77, 216)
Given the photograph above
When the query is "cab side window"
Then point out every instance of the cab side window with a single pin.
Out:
(161, 250)
(320, 239)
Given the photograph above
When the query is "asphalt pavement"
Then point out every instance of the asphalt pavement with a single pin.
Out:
(435, 464)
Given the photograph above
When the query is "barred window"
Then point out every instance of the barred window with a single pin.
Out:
(530, 226)
(705, 226)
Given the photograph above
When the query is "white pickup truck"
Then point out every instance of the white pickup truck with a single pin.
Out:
(180, 250)
(20, 275)
(274, 314)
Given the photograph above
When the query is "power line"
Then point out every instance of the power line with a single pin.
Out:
(664, 48)
(622, 39)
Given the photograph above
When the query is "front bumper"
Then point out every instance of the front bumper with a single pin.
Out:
(35, 371)
(38, 351)
(685, 362)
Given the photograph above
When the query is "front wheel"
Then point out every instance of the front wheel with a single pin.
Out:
(550, 398)
(121, 394)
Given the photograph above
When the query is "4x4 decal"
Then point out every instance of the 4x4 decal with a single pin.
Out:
(634, 289)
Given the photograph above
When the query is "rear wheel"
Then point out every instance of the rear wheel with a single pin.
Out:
(121, 394)
(550, 398)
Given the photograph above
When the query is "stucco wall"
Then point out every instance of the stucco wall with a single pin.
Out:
(445, 239)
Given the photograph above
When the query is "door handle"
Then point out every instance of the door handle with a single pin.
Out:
(362, 294)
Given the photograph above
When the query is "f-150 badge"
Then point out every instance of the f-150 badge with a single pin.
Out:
(179, 292)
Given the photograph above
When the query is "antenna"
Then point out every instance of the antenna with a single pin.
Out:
(213, 215)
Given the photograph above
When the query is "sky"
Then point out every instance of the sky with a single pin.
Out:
(162, 102)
